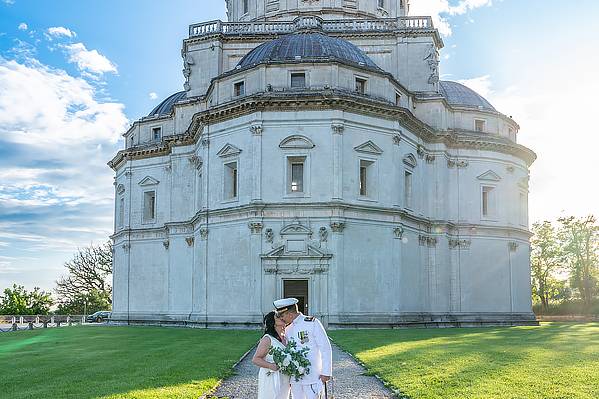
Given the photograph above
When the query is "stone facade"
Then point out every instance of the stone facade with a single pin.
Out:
(384, 204)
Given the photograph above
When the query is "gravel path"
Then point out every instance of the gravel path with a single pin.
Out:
(349, 381)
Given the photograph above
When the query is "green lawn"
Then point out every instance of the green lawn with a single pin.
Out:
(117, 362)
(555, 360)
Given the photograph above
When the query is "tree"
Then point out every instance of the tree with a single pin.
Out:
(545, 260)
(88, 279)
(85, 304)
(18, 301)
(580, 240)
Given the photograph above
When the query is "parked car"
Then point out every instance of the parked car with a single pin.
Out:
(98, 317)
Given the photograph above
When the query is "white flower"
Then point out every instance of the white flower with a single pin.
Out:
(300, 370)
(286, 361)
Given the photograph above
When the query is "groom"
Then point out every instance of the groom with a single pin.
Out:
(307, 331)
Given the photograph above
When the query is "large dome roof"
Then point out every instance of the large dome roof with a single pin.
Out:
(166, 106)
(306, 46)
(461, 96)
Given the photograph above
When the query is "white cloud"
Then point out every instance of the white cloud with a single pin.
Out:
(439, 10)
(23, 26)
(153, 96)
(62, 137)
(90, 61)
(60, 31)
(8, 2)
(482, 85)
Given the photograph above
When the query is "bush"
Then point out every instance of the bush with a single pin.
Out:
(572, 307)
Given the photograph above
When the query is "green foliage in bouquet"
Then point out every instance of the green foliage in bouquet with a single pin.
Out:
(291, 361)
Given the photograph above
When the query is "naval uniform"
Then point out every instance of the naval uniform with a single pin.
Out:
(307, 331)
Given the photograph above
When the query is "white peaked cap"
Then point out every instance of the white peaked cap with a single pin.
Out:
(285, 302)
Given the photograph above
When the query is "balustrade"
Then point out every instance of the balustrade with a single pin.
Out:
(310, 22)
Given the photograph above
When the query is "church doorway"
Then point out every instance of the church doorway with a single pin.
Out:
(297, 289)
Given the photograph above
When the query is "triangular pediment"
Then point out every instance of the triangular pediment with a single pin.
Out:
(489, 175)
(279, 252)
(369, 148)
(297, 142)
(410, 160)
(295, 229)
(148, 181)
(228, 150)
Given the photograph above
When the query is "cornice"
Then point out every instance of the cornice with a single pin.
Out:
(414, 223)
(324, 100)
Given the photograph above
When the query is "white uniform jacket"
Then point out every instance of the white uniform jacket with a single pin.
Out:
(307, 331)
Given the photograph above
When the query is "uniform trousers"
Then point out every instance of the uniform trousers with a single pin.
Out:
(307, 391)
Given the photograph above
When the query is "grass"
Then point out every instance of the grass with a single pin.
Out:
(553, 361)
(117, 362)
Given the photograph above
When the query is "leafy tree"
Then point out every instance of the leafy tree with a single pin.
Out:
(580, 240)
(85, 304)
(545, 260)
(88, 279)
(19, 301)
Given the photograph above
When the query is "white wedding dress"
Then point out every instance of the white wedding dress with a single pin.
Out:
(273, 384)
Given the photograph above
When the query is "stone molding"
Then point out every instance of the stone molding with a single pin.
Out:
(204, 233)
(457, 163)
(337, 128)
(269, 235)
(256, 130)
(189, 240)
(455, 243)
(166, 244)
(255, 227)
(398, 232)
(337, 227)
(339, 100)
(513, 246)
(425, 240)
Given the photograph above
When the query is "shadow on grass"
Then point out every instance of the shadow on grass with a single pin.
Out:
(521, 362)
(118, 362)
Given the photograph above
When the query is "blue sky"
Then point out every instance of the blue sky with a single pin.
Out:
(74, 74)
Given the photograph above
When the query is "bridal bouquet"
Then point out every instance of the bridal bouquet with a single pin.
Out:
(291, 361)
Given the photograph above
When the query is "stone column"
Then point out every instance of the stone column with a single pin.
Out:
(257, 162)
(397, 166)
(255, 285)
(398, 233)
(337, 129)
(336, 274)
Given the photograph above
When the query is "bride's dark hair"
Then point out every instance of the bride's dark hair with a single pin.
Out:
(269, 326)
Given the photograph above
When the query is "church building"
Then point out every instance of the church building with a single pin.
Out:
(315, 153)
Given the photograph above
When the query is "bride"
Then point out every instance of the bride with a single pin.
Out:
(272, 384)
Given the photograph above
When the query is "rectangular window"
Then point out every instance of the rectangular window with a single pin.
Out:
(361, 85)
(297, 175)
(479, 125)
(149, 206)
(407, 189)
(231, 180)
(298, 80)
(487, 201)
(157, 133)
(246, 6)
(381, 3)
(121, 213)
(239, 89)
(397, 99)
(366, 178)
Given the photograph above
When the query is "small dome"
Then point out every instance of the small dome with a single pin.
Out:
(461, 96)
(306, 46)
(166, 106)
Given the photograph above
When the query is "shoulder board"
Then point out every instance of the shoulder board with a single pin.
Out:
(309, 318)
